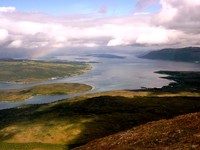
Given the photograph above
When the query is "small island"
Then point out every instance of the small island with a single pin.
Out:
(111, 56)
(45, 89)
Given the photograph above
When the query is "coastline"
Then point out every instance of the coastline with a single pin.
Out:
(40, 71)
(49, 79)
(78, 119)
(173, 88)
(23, 94)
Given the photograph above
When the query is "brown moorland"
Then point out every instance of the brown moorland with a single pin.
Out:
(182, 132)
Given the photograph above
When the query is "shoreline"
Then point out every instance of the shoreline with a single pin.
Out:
(172, 89)
(20, 95)
(96, 115)
(46, 80)
(40, 71)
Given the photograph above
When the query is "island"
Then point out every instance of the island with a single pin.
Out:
(44, 89)
(111, 56)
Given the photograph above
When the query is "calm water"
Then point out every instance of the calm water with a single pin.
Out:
(109, 74)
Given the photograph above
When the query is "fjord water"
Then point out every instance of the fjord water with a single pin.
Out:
(108, 74)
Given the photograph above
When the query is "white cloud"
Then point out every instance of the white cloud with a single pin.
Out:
(7, 9)
(27, 27)
(3, 35)
(116, 42)
(15, 44)
(192, 2)
(157, 35)
(179, 15)
(177, 22)
(167, 13)
(91, 45)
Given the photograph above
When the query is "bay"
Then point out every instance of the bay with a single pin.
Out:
(108, 74)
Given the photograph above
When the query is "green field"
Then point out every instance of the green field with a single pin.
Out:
(46, 89)
(33, 71)
(74, 122)
(33, 146)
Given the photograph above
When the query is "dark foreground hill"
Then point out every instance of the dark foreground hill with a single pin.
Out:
(182, 132)
(187, 54)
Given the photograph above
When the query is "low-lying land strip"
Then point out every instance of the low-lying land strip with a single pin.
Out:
(45, 89)
(23, 71)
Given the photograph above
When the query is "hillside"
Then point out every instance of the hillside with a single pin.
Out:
(182, 132)
(72, 123)
(187, 54)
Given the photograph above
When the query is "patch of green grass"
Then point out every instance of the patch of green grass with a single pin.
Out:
(46, 89)
(32, 71)
(31, 146)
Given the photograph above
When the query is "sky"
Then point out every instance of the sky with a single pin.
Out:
(64, 7)
(36, 28)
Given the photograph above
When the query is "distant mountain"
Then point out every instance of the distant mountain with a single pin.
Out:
(187, 54)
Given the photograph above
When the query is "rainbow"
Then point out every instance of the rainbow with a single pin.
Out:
(42, 53)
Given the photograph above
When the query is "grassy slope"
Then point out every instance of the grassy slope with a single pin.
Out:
(46, 89)
(32, 71)
(32, 146)
(74, 122)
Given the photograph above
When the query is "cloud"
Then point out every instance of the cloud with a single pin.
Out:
(143, 4)
(15, 44)
(167, 13)
(7, 9)
(103, 9)
(177, 23)
(157, 35)
(181, 15)
(3, 35)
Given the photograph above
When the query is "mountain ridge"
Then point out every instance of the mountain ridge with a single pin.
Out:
(186, 54)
